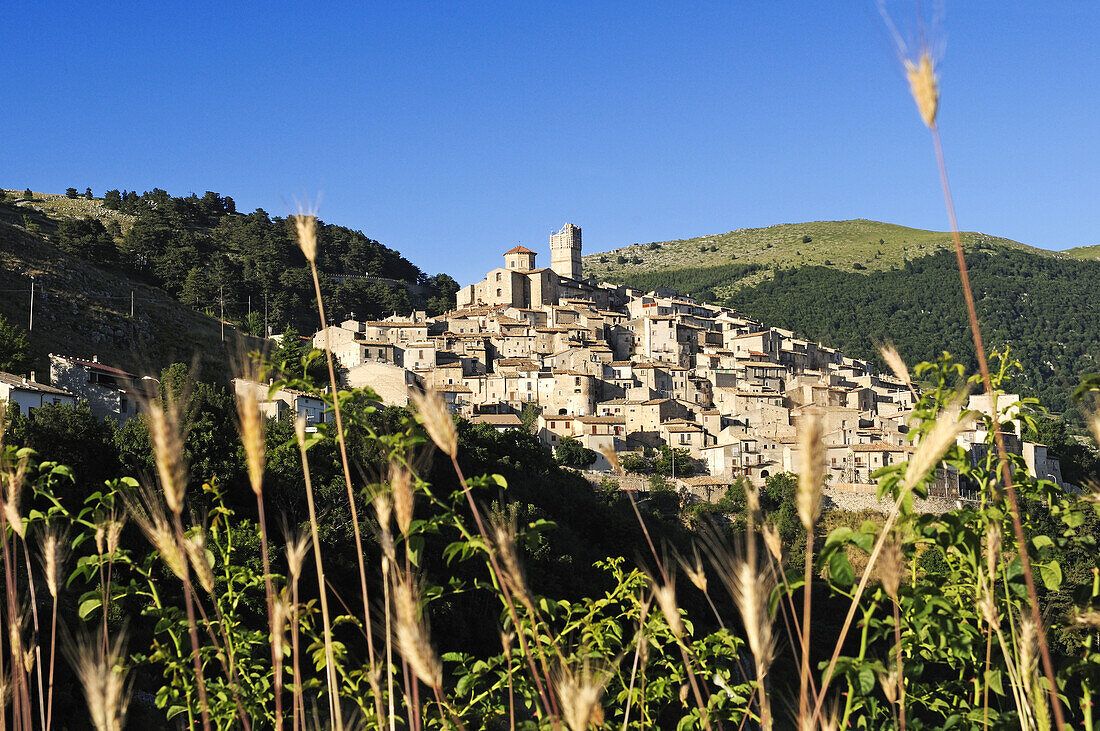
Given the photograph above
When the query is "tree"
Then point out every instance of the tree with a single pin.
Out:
(28, 195)
(635, 463)
(14, 348)
(72, 436)
(671, 461)
(88, 193)
(572, 453)
(86, 237)
(529, 416)
(112, 199)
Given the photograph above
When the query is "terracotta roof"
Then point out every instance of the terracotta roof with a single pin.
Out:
(601, 420)
(92, 364)
(518, 250)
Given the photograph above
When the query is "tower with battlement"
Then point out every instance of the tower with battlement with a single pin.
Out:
(565, 252)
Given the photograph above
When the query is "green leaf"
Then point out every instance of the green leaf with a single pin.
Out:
(87, 607)
(993, 677)
(865, 680)
(1052, 575)
(838, 536)
(1041, 541)
(840, 569)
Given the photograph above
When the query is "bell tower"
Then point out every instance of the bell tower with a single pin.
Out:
(565, 252)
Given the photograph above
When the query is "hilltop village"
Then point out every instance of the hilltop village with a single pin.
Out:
(619, 370)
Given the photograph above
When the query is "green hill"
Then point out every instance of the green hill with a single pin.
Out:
(721, 263)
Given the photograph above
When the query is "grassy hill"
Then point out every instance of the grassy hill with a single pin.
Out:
(722, 263)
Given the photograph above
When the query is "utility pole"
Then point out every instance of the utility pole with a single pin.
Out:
(30, 325)
(267, 331)
(221, 302)
(131, 304)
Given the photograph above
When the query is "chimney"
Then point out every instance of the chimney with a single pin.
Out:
(95, 358)
(32, 377)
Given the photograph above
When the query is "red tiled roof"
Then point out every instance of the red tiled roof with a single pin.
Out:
(97, 366)
(519, 250)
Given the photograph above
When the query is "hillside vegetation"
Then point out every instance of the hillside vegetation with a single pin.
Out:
(859, 245)
(856, 284)
(1043, 308)
(187, 261)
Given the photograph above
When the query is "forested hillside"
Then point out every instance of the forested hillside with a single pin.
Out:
(204, 253)
(1044, 308)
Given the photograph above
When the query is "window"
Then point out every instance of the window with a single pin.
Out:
(498, 291)
(499, 276)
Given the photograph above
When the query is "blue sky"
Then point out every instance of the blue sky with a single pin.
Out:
(453, 131)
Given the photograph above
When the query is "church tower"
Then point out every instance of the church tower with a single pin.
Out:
(565, 252)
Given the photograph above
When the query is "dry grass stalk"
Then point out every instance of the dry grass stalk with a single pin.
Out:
(808, 499)
(306, 225)
(579, 691)
(413, 639)
(437, 420)
(330, 660)
(251, 426)
(103, 677)
(925, 91)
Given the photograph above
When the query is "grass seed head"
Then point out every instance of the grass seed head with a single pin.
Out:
(772, 540)
(666, 600)
(195, 545)
(166, 434)
(103, 677)
(297, 546)
(897, 364)
(412, 633)
(933, 446)
(437, 421)
(892, 564)
(924, 87)
(251, 425)
(401, 483)
(305, 224)
(811, 469)
(148, 512)
(580, 691)
(694, 570)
